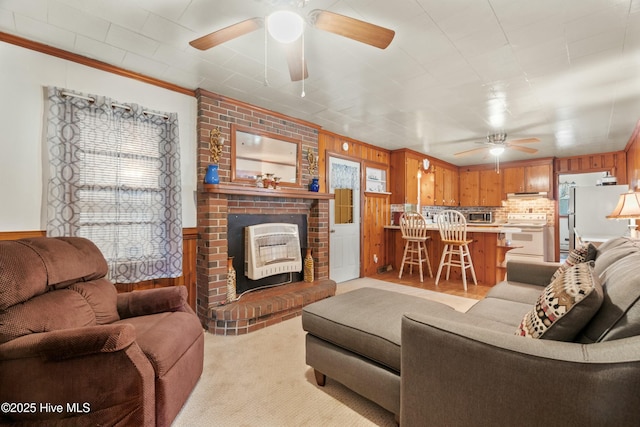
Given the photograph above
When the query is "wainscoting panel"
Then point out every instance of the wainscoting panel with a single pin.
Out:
(188, 278)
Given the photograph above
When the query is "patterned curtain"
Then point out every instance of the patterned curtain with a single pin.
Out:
(344, 176)
(114, 178)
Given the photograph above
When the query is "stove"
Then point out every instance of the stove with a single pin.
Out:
(531, 241)
(527, 220)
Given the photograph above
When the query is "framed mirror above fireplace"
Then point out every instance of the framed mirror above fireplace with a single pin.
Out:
(255, 152)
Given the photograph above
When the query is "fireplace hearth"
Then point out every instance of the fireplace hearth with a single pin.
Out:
(220, 224)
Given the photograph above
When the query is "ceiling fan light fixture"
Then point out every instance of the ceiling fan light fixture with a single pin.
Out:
(285, 26)
(496, 151)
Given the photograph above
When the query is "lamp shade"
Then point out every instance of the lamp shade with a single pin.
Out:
(628, 207)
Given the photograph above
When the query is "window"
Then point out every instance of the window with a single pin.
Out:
(115, 179)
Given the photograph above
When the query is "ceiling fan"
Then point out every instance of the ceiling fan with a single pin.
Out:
(324, 20)
(496, 143)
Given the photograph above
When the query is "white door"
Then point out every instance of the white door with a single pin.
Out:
(344, 219)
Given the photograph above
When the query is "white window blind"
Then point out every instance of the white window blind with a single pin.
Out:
(115, 179)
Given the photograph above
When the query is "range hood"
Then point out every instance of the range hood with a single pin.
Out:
(531, 195)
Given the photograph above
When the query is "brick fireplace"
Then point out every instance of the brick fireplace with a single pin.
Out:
(216, 203)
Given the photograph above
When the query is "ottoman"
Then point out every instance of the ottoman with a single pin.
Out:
(354, 338)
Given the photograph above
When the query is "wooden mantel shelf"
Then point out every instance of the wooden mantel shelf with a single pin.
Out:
(244, 190)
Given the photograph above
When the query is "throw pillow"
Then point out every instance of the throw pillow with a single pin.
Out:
(565, 306)
(578, 255)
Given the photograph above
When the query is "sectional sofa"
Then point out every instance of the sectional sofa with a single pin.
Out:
(548, 346)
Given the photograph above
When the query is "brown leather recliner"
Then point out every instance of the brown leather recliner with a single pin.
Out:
(75, 352)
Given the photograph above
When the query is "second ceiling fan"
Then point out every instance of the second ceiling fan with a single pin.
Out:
(324, 20)
(497, 143)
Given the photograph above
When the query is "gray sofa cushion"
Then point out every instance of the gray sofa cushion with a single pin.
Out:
(609, 257)
(502, 311)
(613, 243)
(619, 315)
(366, 321)
(516, 291)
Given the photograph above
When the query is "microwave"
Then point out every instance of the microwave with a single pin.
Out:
(480, 217)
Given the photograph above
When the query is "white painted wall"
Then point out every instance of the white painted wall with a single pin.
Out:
(23, 76)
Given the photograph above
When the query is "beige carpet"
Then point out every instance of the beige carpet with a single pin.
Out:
(261, 379)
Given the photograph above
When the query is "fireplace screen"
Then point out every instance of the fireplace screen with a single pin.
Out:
(271, 248)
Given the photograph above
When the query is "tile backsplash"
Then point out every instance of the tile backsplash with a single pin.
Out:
(541, 205)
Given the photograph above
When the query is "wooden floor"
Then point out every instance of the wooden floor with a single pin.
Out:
(451, 287)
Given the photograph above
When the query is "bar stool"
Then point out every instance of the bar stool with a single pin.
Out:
(414, 232)
(453, 233)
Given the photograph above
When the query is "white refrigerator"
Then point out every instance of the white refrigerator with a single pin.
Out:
(588, 210)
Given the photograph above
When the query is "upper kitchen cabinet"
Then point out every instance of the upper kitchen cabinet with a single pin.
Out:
(490, 194)
(528, 177)
(479, 187)
(438, 182)
(404, 176)
(446, 185)
(469, 187)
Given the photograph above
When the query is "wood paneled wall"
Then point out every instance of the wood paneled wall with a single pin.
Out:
(614, 162)
(187, 279)
(633, 158)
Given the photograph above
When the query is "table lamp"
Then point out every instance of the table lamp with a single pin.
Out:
(628, 208)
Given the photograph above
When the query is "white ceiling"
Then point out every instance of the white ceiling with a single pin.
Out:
(565, 71)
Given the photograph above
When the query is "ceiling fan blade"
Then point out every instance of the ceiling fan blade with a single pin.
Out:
(468, 152)
(228, 33)
(525, 149)
(352, 28)
(297, 65)
(524, 140)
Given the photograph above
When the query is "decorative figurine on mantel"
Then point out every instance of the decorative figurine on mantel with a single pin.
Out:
(313, 168)
(216, 142)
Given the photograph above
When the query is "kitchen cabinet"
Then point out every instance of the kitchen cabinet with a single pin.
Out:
(469, 188)
(446, 186)
(528, 179)
(480, 188)
(538, 178)
(438, 185)
(490, 194)
(405, 165)
(513, 180)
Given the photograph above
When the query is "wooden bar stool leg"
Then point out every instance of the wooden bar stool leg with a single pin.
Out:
(426, 257)
(444, 254)
(462, 267)
(450, 253)
(404, 257)
(420, 247)
(412, 252)
(473, 270)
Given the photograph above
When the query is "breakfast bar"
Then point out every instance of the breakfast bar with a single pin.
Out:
(488, 250)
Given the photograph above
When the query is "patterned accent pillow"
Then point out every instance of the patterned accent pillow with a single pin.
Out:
(565, 306)
(584, 253)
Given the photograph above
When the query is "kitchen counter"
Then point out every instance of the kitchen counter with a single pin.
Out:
(475, 228)
(487, 250)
